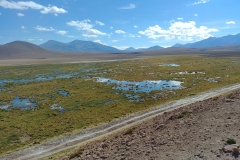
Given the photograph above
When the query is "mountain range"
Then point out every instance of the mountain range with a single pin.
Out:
(88, 46)
(212, 42)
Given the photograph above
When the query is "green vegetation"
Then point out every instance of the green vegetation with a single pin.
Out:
(129, 131)
(183, 114)
(76, 153)
(231, 141)
(92, 103)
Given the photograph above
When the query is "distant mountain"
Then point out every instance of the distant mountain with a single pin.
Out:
(130, 49)
(24, 50)
(212, 42)
(78, 46)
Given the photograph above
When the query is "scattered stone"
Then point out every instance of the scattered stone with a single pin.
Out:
(236, 151)
(104, 145)
(229, 148)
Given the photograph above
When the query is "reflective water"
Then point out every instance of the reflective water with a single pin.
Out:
(144, 86)
(64, 93)
(38, 78)
(186, 72)
(23, 104)
(57, 107)
(170, 65)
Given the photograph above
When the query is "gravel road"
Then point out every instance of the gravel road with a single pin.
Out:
(62, 143)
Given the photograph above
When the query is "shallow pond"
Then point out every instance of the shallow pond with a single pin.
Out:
(170, 65)
(64, 93)
(23, 104)
(57, 107)
(144, 86)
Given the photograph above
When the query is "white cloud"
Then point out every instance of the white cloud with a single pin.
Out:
(111, 27)
(88, 29)
(81, 25)
(130, 6)
(40, 28)
(98, 41)
(131, 36)
(35, 39)
(135, 26)
(185, 31)
(93, 33)
(23, 27)
(231, 22)
(195, 15)
(99, 23)
(52, 9)
(23, 5)
(180, 18)
(121, 47)
(62, 32)
(114, 40)
(20, 14)
(120, 32)
(200, 2)
(0, 14)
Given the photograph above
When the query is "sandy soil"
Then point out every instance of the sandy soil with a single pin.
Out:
(62, 143)
(200, 134)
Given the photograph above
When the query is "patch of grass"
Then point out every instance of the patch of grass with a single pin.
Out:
(183, 114)
(76, 153)
(129, 131)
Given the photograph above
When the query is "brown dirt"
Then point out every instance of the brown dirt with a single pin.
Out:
(200, 133)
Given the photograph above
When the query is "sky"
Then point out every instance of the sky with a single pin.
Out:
(118, 23)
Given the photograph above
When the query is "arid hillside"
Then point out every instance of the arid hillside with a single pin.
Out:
(197, 131)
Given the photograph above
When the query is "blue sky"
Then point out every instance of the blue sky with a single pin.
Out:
(122, 23)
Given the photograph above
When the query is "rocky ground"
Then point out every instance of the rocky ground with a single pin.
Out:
(197, 131)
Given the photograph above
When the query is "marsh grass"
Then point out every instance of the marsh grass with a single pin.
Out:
(86, 106)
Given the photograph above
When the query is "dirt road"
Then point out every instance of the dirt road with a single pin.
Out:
(57, 145)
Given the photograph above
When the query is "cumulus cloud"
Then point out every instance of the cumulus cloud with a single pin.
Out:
(40, 28)
(23, 5)
(195, 15)
(98, 41)
(200, 2)
(88, 29)
(100, 23)
(114, 40)
(20, 14)
(185, 31)
(62, 32)
(135, 26)
(180, 18)
(120, 32)
(111, 27)
(130, 6)
(231, 22)
(23, 27)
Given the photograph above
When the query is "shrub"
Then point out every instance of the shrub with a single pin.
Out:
(129, 131)
(231, 141)
(76, 153)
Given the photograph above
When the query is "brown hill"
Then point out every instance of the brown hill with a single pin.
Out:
(21, 49)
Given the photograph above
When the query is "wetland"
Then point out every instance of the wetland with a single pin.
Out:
(46, 101)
